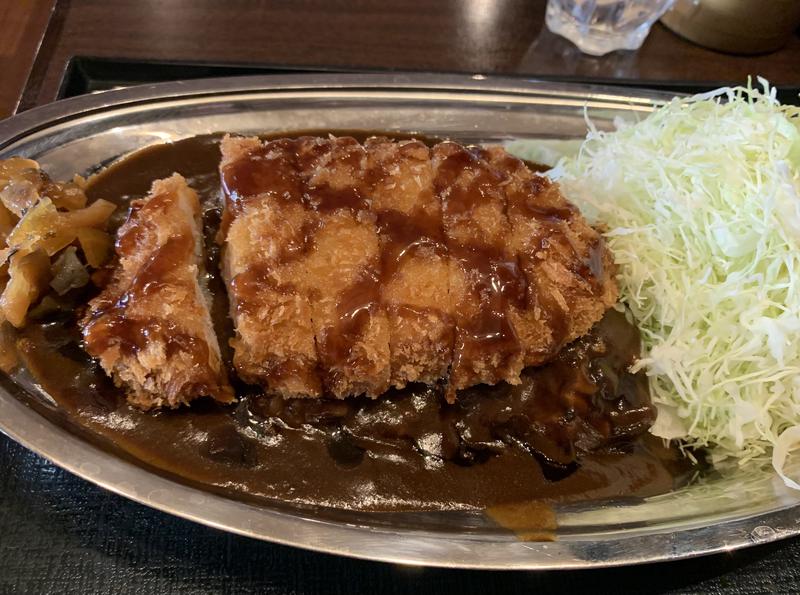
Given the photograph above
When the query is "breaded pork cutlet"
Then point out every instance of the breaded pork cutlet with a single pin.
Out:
(266, 229)
(486, 282)
(344, 263)
(569, 271)
(302, 264)
(352, 268)
(150, 328)
(415, 271)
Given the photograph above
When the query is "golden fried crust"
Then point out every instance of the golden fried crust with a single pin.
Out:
(234, 149)
(150, 328)
(350, 322)
(274, 342)
(569, 271)
(308, 315)
(486, 281)
(352, 268)
(415, 267)
(264, 266)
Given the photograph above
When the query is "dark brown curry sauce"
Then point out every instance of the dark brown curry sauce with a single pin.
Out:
(572, 431)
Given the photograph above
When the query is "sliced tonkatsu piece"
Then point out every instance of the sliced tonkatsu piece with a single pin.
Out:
(569, 270)
(486, 282)
(352, 268)
(302, 264)
(266, 228)
(344, 272)
(415, 269)
(150, 328)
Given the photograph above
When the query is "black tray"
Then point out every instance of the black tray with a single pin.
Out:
(86, 74)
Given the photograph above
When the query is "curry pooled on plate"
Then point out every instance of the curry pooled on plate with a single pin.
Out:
(377, 324)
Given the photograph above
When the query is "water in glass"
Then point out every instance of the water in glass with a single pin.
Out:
(601, 26)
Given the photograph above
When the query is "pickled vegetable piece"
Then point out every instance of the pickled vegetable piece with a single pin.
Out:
(29, 274)
(68, 272)
(96, 246)
(20, 180)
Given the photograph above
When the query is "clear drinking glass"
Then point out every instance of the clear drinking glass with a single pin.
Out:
(598, 27)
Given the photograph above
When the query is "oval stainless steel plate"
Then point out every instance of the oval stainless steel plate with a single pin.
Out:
(723, 512)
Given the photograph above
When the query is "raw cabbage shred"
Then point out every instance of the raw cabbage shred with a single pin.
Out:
(701, 202)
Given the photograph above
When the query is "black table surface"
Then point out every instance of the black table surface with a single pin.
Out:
(61, 534)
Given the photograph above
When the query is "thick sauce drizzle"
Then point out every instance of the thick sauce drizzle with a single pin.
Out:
(571, 431)
(475, 241)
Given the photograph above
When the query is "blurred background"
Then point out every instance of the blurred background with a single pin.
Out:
(54, 48)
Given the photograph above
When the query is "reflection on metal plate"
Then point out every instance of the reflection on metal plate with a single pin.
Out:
(727, 510)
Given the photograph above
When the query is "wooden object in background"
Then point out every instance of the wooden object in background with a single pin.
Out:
(473, 36)
(22, 25)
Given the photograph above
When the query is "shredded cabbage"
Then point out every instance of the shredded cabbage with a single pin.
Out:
(701, 201)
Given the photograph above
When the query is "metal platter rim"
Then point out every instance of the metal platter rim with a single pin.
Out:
(26, 426)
